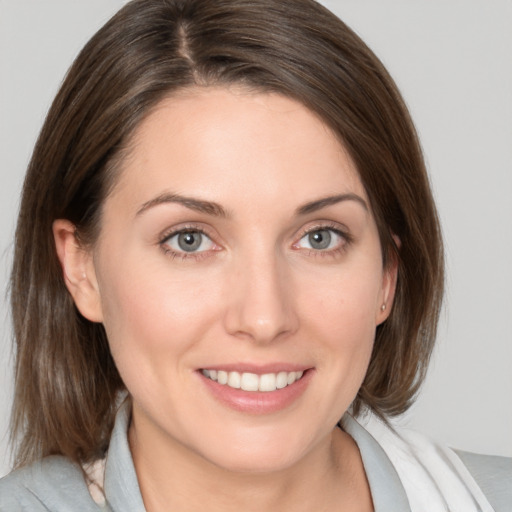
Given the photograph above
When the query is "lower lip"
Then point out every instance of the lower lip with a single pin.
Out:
(258, 402)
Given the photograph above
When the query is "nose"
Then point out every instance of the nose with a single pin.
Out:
(260, 307)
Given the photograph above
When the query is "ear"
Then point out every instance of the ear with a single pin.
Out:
(78, 270)
(389, 280)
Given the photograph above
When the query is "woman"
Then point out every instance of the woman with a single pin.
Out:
(236, 244)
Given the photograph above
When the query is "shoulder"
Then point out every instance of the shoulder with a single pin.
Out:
(432, 473)
(494, 476)
(52, 484)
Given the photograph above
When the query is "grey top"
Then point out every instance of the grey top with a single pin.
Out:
(494, 476)
(55, 484)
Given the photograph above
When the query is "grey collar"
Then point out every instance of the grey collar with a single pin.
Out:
(388, 493)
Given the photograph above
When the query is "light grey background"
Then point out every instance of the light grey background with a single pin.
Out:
(452, 61)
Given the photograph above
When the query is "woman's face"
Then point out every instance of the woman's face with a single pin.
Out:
(239, 245)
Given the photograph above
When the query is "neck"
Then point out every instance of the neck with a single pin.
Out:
(330, 477)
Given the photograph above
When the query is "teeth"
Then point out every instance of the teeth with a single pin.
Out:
(253, 382)
(267, 382)
(250, 381)
(234, 380)
(222, 377)
(281, 380)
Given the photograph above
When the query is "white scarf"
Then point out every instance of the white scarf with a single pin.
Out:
(433, 476)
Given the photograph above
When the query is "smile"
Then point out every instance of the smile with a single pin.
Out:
(251, 381)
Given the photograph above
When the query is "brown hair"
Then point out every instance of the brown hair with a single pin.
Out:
(66, 380)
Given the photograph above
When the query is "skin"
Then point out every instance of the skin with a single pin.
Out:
(255, 292)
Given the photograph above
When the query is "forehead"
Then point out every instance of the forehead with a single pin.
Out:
(222, 142)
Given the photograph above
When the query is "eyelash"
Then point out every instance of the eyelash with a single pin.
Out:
(164, 239)
(329, 253)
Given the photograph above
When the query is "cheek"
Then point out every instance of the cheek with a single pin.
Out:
(150, 316)
(344, 300)
(342, 314)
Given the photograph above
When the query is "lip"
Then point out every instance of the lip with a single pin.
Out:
(258, 402)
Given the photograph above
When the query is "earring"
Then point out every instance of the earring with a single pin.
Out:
(383, 307)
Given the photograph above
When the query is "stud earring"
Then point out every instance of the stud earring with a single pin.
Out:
(383, 307)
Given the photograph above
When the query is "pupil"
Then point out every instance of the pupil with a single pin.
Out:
(189, 241)
(320, 239)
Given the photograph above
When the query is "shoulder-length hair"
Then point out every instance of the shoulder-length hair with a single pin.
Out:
(66, 379)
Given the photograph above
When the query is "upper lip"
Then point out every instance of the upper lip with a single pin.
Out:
(258, 369)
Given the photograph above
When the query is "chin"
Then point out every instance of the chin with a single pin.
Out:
(257, 464)
(257, 456)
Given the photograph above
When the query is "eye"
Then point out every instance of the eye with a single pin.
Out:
(189, 241)
(321, 239)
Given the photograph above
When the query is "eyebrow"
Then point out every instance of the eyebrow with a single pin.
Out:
(199, 205)
(216, 210)
(318, 204)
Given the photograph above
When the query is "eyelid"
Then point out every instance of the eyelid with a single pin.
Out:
(184, 228)
(339, 230)
(328, 226)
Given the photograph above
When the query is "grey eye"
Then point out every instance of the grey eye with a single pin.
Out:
(320, 239)
(189, 242)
